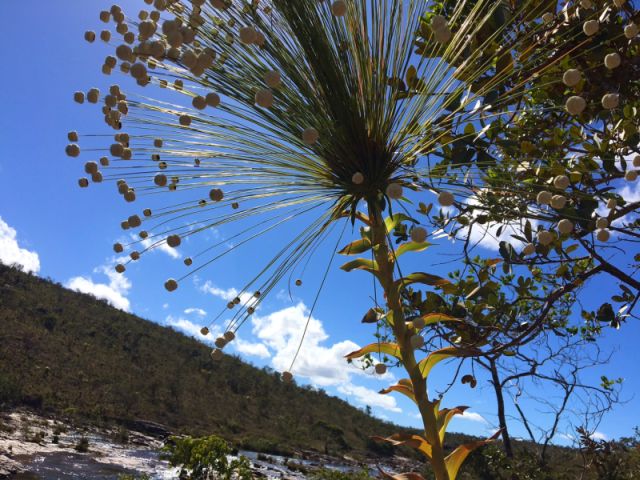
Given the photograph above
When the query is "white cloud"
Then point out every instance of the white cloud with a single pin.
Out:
(114, 292)
(249, 348)
(282, 331)
(472, 417)
(159, 245)
(12, 254)
(193, 329)
(228, 294)
(366, 396)
(197, 311)
(598, 436)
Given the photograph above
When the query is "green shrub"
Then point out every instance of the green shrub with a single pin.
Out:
(329, 474)
(201, 458)
(83, 445)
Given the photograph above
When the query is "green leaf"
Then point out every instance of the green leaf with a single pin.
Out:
(424, 278)
(391, 222)
(382, 347)
(412, 247)
(432, 318)
(356, 247)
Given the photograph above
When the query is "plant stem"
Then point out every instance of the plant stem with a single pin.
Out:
(428, 410)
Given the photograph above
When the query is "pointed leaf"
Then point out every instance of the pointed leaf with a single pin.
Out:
(382, 347)
(444, 416)
(391, 222)
(403, 386)
(354, 248)
(412, 247)
(455, 459)
(427, 363)
(421, 277)
(414, 441)
(433, 318)
(360, 264)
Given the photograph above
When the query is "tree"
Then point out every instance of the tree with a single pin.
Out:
(325, 113)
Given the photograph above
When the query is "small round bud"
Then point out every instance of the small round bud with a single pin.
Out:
(418, 235)
(571, 77)
(446, 199)
(631, 31)
(610, 101)
(120, 268)
(590, 27)
(544, 197)
(545, 237)
(83, 182)
(204, 331)
(287, 377)
(602, 223)
(417, 341)
(612, 61)
(72, 150)
(213, 99)
(561, 182)
(184, 120)
(298, 282)
(217, 354)
(357, 178)
(229, 336)
(339, 8)
(575, 105)
(90, 36)
(631, 176)
(174, 241)
(199, 102)
(611, 203)
(603, 235)
(188, 261)
(310, 136)
(636, 161)
(565, 226)
(273, 79)
(529, 249)
(394, 191)
(216, 194)
(381, 368)
(118, 248)
(264, 98)
(78, 97)
(558, 201)
(220, 342)
(248, 35)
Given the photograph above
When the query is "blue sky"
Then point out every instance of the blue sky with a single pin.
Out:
(52, 227)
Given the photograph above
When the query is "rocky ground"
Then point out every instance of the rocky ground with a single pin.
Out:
(34, 446)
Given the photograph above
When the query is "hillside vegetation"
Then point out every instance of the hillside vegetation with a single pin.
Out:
(68, 352)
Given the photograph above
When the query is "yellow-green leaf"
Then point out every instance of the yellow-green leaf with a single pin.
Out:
(391, 222)
(382, 347)
(455, 459)
(444, 416)
(412, 247)
(414, 441)
(356, 247)
(360, 264)
(431, 318)
(403, 386)
(427, 363)
(421, 277)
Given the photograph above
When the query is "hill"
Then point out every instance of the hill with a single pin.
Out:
(67, 352)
